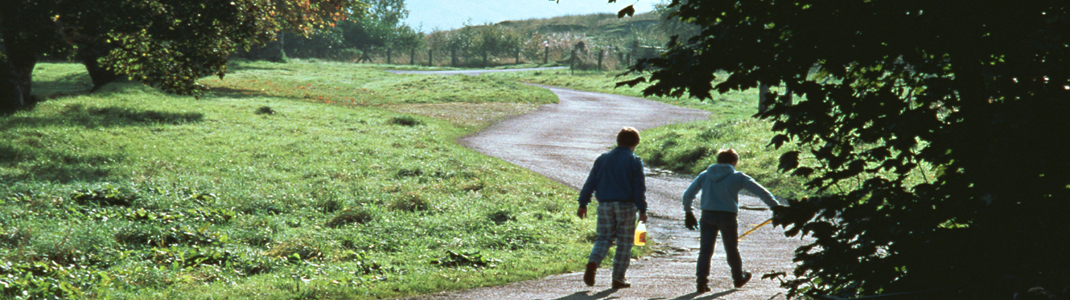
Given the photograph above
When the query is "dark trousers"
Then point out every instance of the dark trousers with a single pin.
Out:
(711, 223)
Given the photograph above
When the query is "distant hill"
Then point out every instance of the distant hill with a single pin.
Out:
(446, 15)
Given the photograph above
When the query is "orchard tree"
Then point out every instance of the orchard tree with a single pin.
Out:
(168, 44)
(933, 134)
(380, 28)
(494, 40)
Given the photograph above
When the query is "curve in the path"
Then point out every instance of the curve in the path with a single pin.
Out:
(561, 141)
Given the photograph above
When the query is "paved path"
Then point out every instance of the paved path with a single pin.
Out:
(475, 72)
(561, 141)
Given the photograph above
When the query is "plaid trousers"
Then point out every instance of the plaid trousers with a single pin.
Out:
(616, 221)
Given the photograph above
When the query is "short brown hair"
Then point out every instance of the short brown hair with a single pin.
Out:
(628, 137)
(727, 156)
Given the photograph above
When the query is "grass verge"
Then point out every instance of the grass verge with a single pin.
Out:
(262, 190)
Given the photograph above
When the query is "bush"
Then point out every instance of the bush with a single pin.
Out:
(405, 120)
(265, 110)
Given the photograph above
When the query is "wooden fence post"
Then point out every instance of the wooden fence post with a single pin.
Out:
(600, 53)
(546, 56)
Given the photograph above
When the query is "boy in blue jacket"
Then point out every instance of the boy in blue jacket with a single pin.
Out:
(617, 181)
(720, 185)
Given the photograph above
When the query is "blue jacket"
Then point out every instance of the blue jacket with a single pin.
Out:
(617, 175)
(720, 185)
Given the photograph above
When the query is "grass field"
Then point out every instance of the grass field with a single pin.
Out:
(288, 181)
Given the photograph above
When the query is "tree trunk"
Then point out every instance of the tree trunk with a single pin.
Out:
(485, 63)
(412, 56)
(546, 56)
(430, 58)
(16, 78)
(90, 55)
(763, 97)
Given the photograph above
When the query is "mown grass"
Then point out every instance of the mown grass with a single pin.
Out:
(261, 189)
(731, 105)
(448, 68)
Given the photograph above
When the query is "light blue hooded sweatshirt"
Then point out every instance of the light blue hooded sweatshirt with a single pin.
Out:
(720, 185)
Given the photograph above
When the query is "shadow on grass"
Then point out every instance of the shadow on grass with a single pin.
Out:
(226, 92)
(92, 117)
(55, 166)
(71, 84)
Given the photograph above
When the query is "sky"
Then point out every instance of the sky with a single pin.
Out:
(428, 15)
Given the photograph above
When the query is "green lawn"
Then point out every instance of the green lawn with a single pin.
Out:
(288, 181)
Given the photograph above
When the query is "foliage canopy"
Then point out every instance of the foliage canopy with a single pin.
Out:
(164, 43)
(969, 96)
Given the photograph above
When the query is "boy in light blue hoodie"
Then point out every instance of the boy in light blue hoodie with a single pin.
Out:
(720, 185)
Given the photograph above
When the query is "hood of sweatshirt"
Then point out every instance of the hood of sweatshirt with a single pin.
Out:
(719, 172)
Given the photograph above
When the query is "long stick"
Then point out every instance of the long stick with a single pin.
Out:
(755, 228)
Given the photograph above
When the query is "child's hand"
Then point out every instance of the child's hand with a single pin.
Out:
(690, 222)
(582, 213)
(642, 217)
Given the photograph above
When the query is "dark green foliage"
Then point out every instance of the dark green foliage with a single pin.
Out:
(966, 97)
(405, 120)
(165, 44)
(107, 196)
(362, 33)
(465, 259)
(265, 110)
(45, 280)
(501, 216)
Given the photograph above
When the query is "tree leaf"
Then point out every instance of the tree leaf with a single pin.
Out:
(628, 10)
(789, 161)
(779, 140)
(632, 83)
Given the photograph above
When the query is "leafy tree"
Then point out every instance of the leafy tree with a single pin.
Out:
(934, 135)
(380, 28)
(494, 40)
(163, 43)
